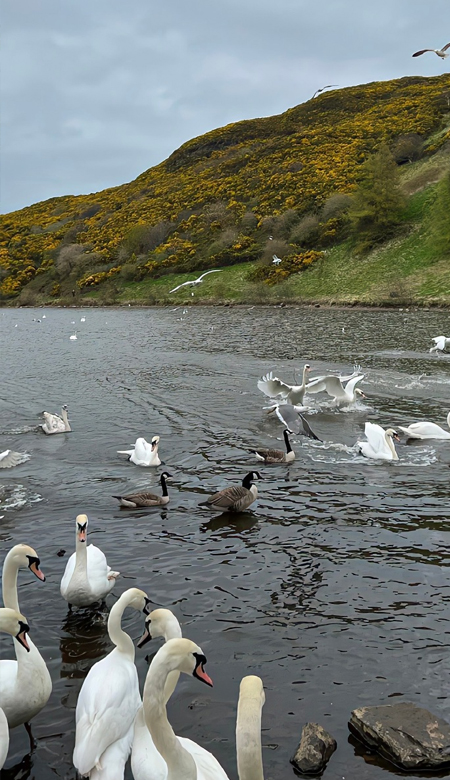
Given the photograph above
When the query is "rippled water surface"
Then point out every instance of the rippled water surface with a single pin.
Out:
(335, 588)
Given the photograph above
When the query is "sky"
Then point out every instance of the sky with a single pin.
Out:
(94, 92)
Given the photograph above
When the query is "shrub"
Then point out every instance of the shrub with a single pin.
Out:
(335, 206)
(292, 264)
(407, 148)
(306, 233)
(439, 219)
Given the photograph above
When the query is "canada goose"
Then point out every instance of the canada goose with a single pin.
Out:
(293, 394)
(379, 444)
(55, 423)
(276, 456)
(143, 453)
(237, 497)
(134, 500)
(442, 53)
(195, 281)
(343, 395)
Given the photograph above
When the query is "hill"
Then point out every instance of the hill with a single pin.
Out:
(233, 197)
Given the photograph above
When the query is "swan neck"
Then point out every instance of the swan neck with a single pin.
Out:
(80, 554)
(116, 633)
(391, 446)
(248, 739)
(305, 374)
(65, 419)
(448, 419)
(9, 582)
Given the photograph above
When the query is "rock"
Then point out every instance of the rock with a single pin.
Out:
(409, 736)
(314, 751)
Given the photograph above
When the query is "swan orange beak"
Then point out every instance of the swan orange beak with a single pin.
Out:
(34, 567)
(22, 636)
(199, 671)
(146, 637)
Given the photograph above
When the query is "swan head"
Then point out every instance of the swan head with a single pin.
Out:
(81, 525)
(393, 434)
(184, 656)
(135, 598)
(360, 393)
(155, 442)
(251, 688)
(25, 557)
(14, 623)
(159, 623)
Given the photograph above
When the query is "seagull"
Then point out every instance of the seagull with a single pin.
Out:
(440, 344)
(9, 458)
(442, 53)
(196, 281)
(327, 86)
(294, 421)
(276, 260)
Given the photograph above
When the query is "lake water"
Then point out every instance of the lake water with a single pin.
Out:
(335, 588)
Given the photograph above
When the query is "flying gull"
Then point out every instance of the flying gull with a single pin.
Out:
(442, 53)
(195, 281)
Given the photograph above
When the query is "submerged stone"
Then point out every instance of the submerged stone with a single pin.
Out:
(409, 736)
(314, 751)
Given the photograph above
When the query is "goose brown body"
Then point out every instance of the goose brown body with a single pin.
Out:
(134, 500)
(237, 497)
(276, 456)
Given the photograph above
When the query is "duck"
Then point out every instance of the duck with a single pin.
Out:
(13, 623)
(25, 684)
(440, 344)
(248, 728)
(55, 423)
(426, 430)
(180, 655)
(293, 394)
(87, 577)
(379, 444)
(235, 498)
(134, 500)
(143, 453)
(109, 700)
(276, 456)
(9, 459)
(343, 395)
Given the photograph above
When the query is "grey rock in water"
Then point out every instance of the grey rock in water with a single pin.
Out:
(409, 736)
(314, 751)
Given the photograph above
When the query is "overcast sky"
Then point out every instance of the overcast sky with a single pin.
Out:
(94, 92)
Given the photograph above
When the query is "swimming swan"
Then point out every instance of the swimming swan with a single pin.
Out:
(276, 456)
(13, 623)
(379, 442)
(195, 764)
(248, 728)
(343, 395)
(134, 500)
(56, 424)
(237, 497)
(143, 454)
(426, 430)
(293, 394)
(25, 684)
(109, 700)
(87, 577)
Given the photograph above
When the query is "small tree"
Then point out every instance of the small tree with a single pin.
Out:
(377, 202)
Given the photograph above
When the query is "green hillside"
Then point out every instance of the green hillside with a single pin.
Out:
(232, 198)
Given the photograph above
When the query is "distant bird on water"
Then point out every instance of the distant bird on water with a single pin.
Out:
(327, 86)
(195, 281)
(442, 53)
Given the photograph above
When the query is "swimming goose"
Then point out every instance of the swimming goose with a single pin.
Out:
(109, 700)
(9, 458)
(343, 395)
(143, 453)
(134, 500)
(379, 444)
(55, 423)
(87, 577)
(293, 394)
(276, 456)
(295, 421)
(25, 684)
(426, 430)
(13, 623)
(440, 344)
(237, 497)
(180, 655)
(248, 728)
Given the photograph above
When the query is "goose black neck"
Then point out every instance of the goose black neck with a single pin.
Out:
(164, 485)
(286, 441)
(247, 481)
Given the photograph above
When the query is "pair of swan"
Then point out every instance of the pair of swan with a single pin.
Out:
(342, 394)
(13, 623)
(133, 500)
(54, 423)
(143, 452)
(379, 444)
(426, 430)
(9, 459)
(235, 498)
(87, 577)
(25, 684)
(267, 455)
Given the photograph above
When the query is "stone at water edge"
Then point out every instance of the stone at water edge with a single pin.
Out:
(411, 737)
(314, 751)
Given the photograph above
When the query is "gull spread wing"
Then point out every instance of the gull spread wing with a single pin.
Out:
(272, 386)
(294, 421)
(179, 286)
(444, 48)
(422, 51)
(9, 458)
(214, 271)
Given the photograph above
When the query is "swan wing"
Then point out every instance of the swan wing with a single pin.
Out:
(67, 576)
(439, 342)
(107, 705)
(54, 422)
(376, 437)
(425, 430)
(9, 458)
(114, 759)
(326, 384)
(4, 738)
(350, 386)
(101, 578)
(272, 386)
(294, 421)
(208, 767)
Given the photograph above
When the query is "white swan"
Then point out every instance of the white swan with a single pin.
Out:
(73, 337)
(109, 700)
(55, 423)
(440, 344)
(25, 684)
(343, 395)
(9, 458)
(13, 623)
(293, 394)
(195, 764)
(248, 729)
(379, 442)
(426, 430)
(87, 577)
(143, 453)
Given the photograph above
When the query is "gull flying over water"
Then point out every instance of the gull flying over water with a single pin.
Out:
(442, 53)
(195, 281)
